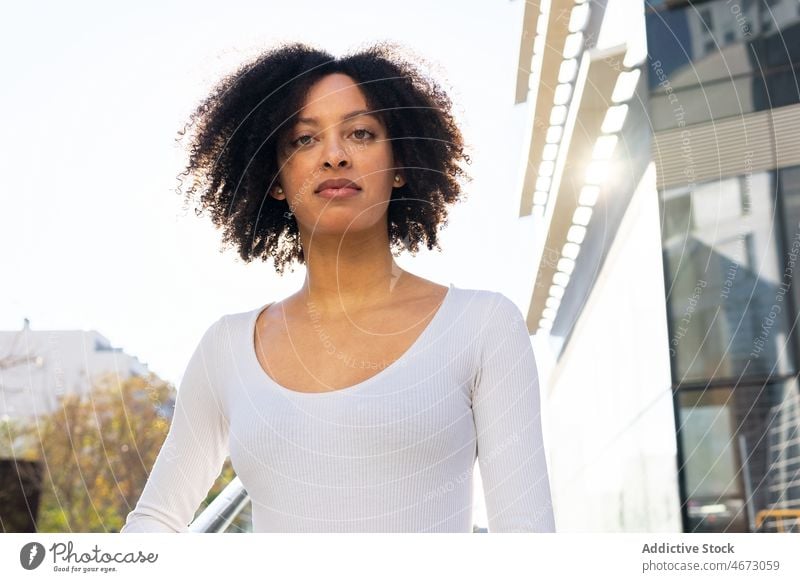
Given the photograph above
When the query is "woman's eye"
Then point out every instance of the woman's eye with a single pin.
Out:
(366, 131)
(361, 134)
(297, 141)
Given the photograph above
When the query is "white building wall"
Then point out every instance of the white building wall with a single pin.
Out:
(39, 366)
(609, 425)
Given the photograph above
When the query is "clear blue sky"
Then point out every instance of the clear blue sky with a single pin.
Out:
(93, 234)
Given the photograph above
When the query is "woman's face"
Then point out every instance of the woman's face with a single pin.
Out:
(332, 140)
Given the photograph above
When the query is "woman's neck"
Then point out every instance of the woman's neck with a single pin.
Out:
(346, 275)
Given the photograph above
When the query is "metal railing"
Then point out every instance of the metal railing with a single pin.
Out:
(220, 513)
(779, 515)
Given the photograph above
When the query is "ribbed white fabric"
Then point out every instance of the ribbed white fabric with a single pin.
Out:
(394, 453)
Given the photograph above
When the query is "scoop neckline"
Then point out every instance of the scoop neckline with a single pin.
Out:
(251, 343)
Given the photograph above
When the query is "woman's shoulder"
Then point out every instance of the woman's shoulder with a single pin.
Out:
(227, 325)
(484, 301)
(241, 317)
(485, 314)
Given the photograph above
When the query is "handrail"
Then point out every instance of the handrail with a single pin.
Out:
(780, 514)
(219, 514)
(230, 502)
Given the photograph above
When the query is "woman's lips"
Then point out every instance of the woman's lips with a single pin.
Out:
(338, 192)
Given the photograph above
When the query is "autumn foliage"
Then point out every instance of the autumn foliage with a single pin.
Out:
(96, 452)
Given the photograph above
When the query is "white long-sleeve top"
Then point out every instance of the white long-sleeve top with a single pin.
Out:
(394, 453)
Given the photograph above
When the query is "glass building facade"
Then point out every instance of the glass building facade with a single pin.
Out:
(723, 57)
(730, 219)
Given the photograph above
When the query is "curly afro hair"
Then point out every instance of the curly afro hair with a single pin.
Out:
(233, 151)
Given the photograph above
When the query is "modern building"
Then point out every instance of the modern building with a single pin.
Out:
(725, 106)
(662, 184)
(39, 366)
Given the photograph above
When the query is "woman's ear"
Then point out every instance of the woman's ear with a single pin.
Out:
(278, 193)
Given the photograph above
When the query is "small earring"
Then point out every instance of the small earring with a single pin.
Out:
(280, 190)
(397, 177)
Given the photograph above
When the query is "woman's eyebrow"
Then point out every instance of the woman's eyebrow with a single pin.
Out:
(313, 120)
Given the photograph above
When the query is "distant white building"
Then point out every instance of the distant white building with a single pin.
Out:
(37, 367)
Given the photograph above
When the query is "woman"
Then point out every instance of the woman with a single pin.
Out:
(361, 402)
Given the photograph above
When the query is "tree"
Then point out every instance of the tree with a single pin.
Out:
(97, 451)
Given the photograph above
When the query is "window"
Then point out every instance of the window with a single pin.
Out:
(724, 265)
(738, 450)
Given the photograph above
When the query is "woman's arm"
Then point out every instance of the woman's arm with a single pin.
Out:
(193, 452)
(507, 412)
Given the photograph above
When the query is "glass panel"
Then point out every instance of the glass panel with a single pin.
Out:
(741, 458)
(724, 276)
(722, 59)
(715, 491)
(789, 186)
(715, 100)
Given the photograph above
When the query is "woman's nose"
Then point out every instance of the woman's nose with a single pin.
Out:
(335, 155)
